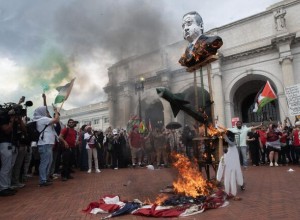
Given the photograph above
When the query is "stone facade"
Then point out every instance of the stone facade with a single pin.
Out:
(258, 48)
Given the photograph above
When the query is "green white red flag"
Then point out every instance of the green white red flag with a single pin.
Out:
(64, 92)
(263, 97)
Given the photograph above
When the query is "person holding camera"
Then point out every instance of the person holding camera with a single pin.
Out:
(89, 136)
(10, 122)
(46, 141)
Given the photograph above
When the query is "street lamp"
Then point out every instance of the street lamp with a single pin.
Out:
(139, 88)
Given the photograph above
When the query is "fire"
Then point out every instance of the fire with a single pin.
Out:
(190, 181)
(160, 199)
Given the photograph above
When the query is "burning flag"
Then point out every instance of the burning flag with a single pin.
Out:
(263, 97)
(64, 92)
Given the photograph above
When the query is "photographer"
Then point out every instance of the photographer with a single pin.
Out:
(10, 122)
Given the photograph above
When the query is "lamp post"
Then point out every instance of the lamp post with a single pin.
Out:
(139, 88)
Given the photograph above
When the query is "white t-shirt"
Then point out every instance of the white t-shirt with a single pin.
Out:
(49, 133)
(87, 137)
(240, 135)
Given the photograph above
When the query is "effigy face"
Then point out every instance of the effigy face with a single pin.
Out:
(201, 49)
(191, 30)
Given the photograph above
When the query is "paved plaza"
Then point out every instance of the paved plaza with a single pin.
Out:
(271, 193)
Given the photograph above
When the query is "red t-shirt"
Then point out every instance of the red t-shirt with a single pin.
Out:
(296, 138)
(262, 136)
(135, 140)
(69, 135)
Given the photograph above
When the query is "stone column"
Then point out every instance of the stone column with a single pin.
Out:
(228, 113)
(111, 107)
(218, 92)
(286, 63)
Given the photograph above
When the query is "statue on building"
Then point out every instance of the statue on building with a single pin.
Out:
(279, 16)
(201, 46)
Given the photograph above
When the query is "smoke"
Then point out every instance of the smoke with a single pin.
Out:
(118, 29)
(56, 41)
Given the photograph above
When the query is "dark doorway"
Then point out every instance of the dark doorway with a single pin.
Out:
(154, 113)
(268, 112)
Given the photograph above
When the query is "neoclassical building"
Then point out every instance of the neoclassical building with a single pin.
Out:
(265, 46)
(94, 114)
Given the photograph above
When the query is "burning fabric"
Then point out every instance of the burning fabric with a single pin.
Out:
(170, 208)
(190, 194)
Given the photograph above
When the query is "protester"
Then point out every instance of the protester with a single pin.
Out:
(262, 142)
(9, 125)
(273, 144)
(241, 138)
(83, 164)
(116, 150)
(89, 136)
(254, 146)
(230, 165)
(46, 141)
(296, 141)
(68, 136)
(135, 142)
(160, 142)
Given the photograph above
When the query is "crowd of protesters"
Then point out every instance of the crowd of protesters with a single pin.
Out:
(62, 149)
(272, 144)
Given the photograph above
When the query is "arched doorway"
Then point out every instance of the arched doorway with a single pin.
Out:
(244, 100)
(154, 113)
(203, 102)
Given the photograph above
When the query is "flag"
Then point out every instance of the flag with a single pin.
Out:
(64, 92)
(263, 97)
(116, 207)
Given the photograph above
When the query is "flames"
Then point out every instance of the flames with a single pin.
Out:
(190, 181)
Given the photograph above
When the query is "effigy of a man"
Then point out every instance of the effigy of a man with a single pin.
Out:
(200, 47)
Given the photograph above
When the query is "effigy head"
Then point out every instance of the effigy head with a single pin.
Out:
(192, 26)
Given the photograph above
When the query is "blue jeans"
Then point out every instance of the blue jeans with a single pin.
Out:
(8, 157)
(45, 152)
(243, 155)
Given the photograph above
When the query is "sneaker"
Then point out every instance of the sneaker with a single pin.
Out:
(98, 171)
(89, 171)
(6, 192)
(45, 184)
(276, 164)
(271, 164)
(116, 168)
(17, 185)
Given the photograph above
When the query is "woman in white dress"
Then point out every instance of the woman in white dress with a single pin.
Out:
(230, 166)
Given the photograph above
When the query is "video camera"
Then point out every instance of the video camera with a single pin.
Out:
(13, 109)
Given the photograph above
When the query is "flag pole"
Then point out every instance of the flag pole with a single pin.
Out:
(61, 106)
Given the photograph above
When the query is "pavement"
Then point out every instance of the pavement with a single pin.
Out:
(271, 193)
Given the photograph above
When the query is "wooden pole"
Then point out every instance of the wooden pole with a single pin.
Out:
(210, 93)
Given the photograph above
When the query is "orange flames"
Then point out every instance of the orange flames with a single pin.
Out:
(190, 181)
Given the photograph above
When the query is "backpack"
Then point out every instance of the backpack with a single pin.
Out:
(33, 133)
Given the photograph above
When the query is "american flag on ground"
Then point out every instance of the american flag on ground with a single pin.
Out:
(116, 207)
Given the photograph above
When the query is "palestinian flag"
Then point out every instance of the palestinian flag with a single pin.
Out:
(263, 97)
(64, 92)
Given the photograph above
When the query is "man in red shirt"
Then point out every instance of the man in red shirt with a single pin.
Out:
(296, 141)
(135, 143)
(68, 136)
(262, 142)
